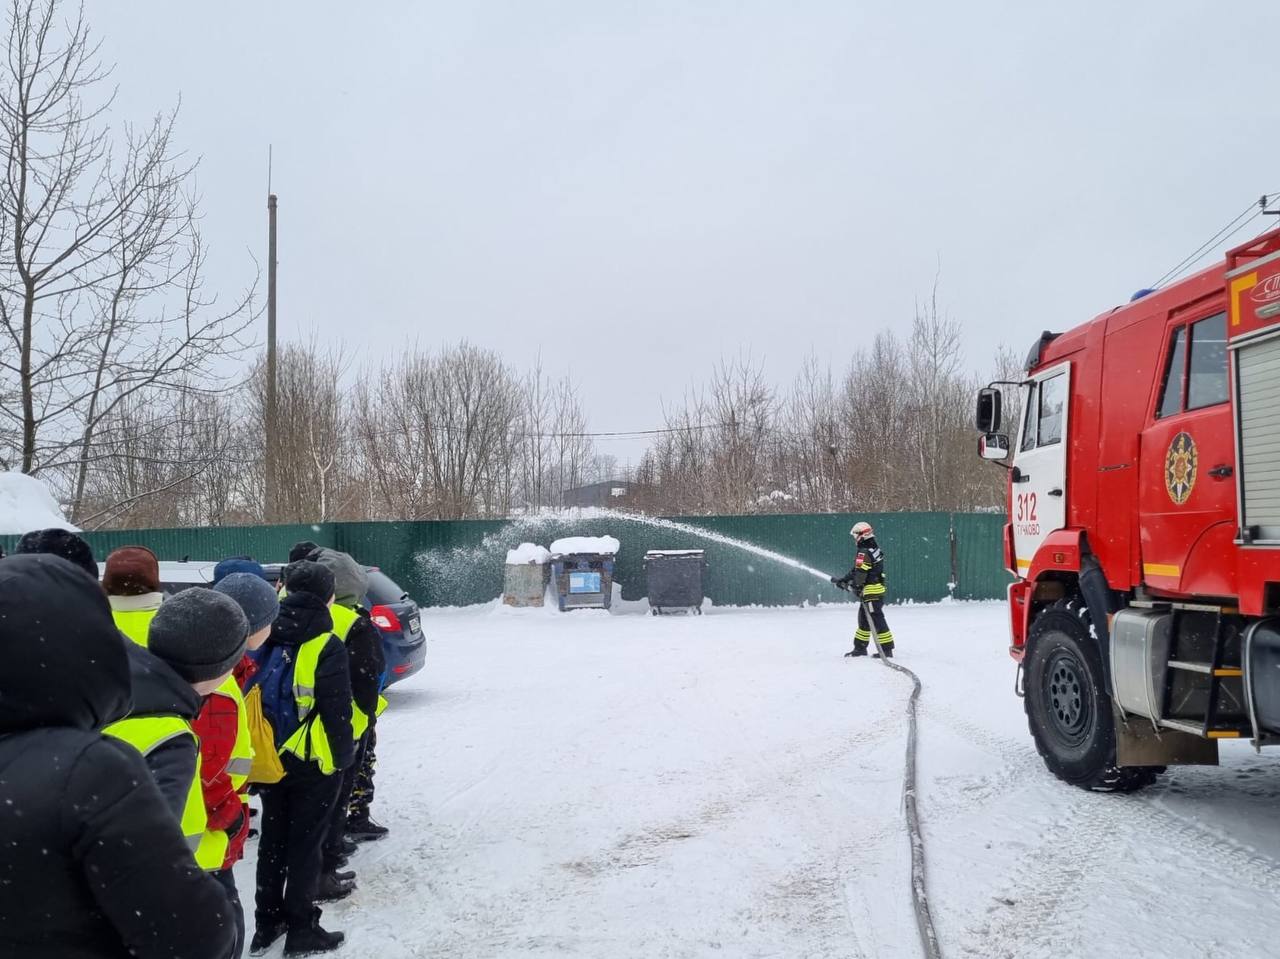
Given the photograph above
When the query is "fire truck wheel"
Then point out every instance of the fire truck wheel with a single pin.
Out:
(1068, 707)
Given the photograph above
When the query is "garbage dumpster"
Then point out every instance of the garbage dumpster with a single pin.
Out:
(674, 578)
(527, 573)
(582, 570)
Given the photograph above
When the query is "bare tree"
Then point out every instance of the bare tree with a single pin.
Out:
(313, 450)
(440, 438)
(101, 261)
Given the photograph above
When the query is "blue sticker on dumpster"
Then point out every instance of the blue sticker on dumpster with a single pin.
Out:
(584, 582)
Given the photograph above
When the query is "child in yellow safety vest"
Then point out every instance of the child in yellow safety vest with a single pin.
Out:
(226, 750)
(194, 642)
(296, 811)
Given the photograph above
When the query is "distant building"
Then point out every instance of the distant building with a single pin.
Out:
(609, 494)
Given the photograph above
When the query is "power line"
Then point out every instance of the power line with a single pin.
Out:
(1231, 229)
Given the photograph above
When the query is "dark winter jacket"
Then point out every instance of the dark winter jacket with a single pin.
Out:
(367, 662)
(93, 864)
(303, 617)
(159, 691)
(867, 576)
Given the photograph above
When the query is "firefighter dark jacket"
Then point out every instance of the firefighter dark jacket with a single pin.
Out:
(94, 863)
(867, 575)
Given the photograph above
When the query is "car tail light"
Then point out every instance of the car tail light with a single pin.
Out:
(384, 617)
(401, 669)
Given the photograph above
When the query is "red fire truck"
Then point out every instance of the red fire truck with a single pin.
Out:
(1144, 526)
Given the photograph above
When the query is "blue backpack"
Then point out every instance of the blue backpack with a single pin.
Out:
(274, 679)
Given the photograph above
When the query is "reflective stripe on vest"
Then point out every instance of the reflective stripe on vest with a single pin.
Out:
(146, 734)
(310, 742)
(343, 620)
(212, 851)
(134, 623)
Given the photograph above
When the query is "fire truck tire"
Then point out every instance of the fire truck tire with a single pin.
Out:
(1068, 706)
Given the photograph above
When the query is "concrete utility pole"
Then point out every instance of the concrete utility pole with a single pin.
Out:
(271, 491)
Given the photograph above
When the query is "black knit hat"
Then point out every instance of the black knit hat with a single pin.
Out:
(305, 576)
(200, 633)
(302, 550)
(59, 542)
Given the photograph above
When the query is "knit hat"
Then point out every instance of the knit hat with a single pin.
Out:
(131, 571)
(59, 542)
(254, 595)
(238, 564)
(302, 550)
(305, 576)
(200, 633)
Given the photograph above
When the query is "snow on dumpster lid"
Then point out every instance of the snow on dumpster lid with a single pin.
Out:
(528, 553)
(605, 545)
(27, 504)
(675, 552)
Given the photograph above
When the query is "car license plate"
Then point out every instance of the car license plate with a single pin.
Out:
(415, 625)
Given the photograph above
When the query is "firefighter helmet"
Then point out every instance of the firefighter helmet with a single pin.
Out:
(861, 531)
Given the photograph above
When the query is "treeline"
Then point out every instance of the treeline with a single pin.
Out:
(892, 430)
(459, 434)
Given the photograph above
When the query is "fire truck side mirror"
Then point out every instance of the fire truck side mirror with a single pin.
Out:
(987, 419)
(993, 446)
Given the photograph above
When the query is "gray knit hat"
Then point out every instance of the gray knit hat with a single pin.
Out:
(255, 597)
(200, 633)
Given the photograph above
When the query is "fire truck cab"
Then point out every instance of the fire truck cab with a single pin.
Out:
(1144, 526)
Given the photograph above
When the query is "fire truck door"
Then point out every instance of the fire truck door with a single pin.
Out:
(1187, 459)
(1039, 483)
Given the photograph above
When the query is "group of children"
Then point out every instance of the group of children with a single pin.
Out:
(249, 686)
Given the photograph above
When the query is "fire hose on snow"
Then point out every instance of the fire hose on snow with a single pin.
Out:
(919, 894)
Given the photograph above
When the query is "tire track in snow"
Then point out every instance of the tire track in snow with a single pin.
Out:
(946, 797)
(1057, 879)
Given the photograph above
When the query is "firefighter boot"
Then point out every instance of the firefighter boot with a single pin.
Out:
(859, 648)
(886, 649)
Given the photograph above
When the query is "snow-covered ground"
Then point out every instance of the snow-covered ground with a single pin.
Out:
(601, 785)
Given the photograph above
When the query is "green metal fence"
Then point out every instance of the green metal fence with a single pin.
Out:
(930, 556)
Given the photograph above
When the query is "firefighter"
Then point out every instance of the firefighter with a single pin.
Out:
(866, 581)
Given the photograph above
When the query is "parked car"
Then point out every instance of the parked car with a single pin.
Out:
(397, 617)
(177, 576)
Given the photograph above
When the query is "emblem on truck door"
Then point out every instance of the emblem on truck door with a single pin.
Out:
(1180, 468)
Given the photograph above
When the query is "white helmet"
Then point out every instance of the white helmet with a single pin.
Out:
(861, 531)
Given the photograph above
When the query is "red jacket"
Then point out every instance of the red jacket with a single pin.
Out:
(217, 726)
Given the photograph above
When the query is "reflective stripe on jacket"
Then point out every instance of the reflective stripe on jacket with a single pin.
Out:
(148, 733)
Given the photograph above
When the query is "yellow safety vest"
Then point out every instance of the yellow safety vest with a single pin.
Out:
(212, 851)
(343, 620)
(134, 623)
(311, 740)
(148, 733)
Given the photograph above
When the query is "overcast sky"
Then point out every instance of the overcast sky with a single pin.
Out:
(635, 188)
